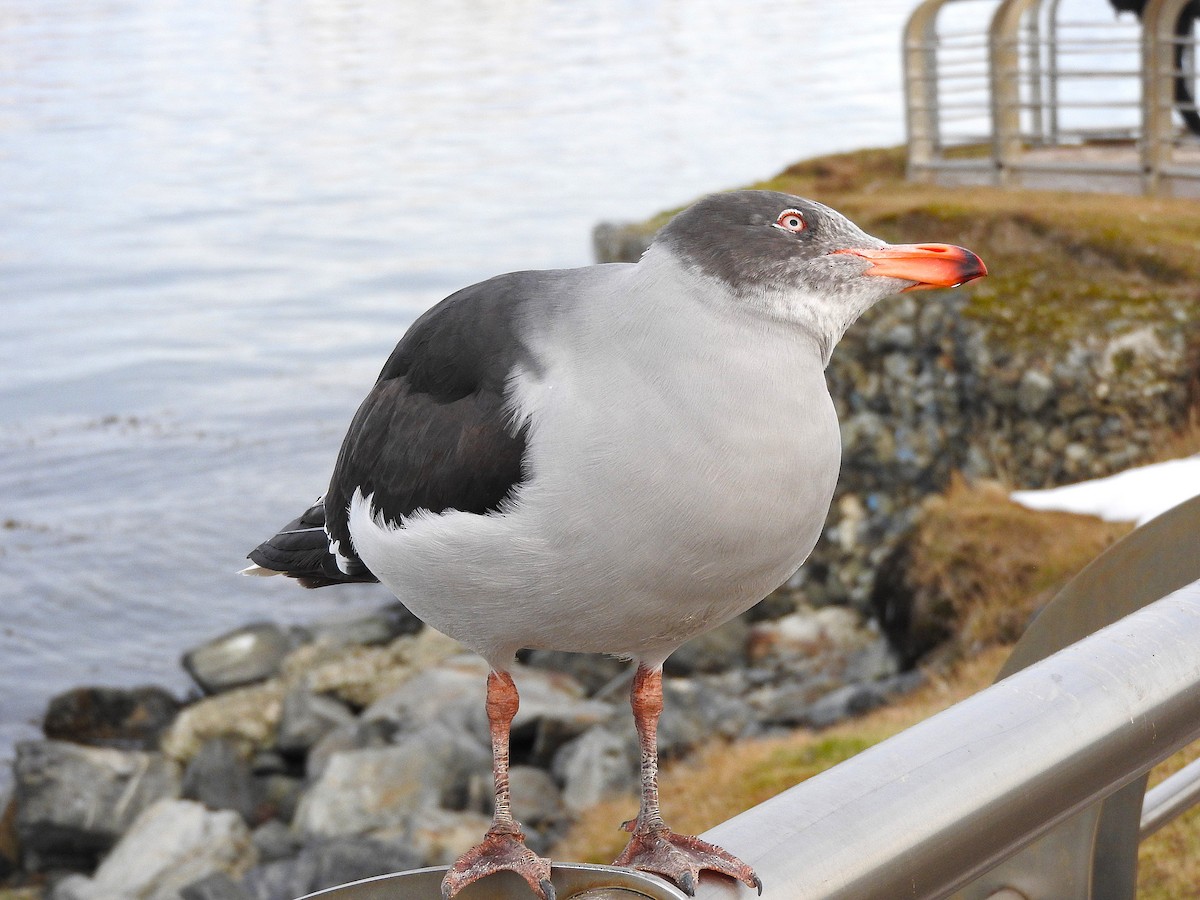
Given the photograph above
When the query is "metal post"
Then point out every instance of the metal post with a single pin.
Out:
(1052, 67)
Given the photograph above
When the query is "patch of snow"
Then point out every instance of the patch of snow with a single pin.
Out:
(1135, 495)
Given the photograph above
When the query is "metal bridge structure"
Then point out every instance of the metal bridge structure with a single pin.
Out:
(1054, 94)
(1033, 789)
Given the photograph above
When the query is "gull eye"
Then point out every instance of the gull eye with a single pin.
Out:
(791, 220)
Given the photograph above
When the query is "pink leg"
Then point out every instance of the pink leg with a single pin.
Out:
(654, 847)
(503, 847)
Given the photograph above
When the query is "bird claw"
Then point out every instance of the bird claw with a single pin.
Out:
(681, 857)
(501, 850)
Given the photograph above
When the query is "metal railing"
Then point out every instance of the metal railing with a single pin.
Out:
(1072, 101)
(932, 809)
(1033, 789)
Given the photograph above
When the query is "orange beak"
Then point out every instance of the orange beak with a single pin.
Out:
(929, 265)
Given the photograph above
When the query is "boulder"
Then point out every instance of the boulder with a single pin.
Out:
(358, 735)
(276, 797)
(380, 627)
(237, 658)
(440, 836)
(722, 648)
(552, 707)
(217, 886)
(74, 802)
(326, 864)
(274, 840)
(364, 790)
(848, 700)
(359, 675)
(696, 711)
(219, 777)
(536, 800)
(306, 717)
(126, 718)
(248, 716)
(450, 695)
(592, 670)
(553, 710)
(173, 844)
(593, 766)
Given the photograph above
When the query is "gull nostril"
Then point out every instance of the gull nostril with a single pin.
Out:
(933, 249)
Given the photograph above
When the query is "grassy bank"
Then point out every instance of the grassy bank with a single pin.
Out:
(1061, 264)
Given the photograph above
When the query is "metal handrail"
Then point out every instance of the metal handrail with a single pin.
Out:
(927, 811)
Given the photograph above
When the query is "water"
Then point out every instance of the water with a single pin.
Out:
(217, 218)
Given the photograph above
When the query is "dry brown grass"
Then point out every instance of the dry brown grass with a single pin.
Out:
(992, 564)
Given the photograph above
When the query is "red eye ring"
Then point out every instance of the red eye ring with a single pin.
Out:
(791, 220)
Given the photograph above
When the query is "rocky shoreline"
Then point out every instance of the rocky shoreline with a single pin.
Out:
(354, 748)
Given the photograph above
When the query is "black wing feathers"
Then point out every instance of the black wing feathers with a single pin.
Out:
(434, 433)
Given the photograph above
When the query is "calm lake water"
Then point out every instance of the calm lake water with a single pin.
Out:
(217, 218)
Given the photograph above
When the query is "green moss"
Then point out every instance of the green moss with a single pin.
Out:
(789, 765)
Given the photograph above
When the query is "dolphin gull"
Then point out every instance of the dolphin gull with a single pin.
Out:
(609, 459)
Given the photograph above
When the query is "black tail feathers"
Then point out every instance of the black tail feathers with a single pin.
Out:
(301, 551)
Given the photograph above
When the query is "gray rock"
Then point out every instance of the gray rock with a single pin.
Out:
(240, 657)
(220, 778)
(848, 700)
(903, 683)
(873, 662)
(358, 735)
(696, 712)
(451, 695)
(593, 766)
(273, 840)
(171, 845)
(326, 864)
(269, 762)
(217, 886)
(536, 799)
(1034, 391)
(724, 647)
(307, 717)
(74, 802)
(276, 797)
(125, 718)
(788, 704)
(364, 790)
(380, 627)
(552, 708)
(592, 670)
(441, 836)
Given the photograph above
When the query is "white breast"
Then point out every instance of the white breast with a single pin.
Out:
(682, 455)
